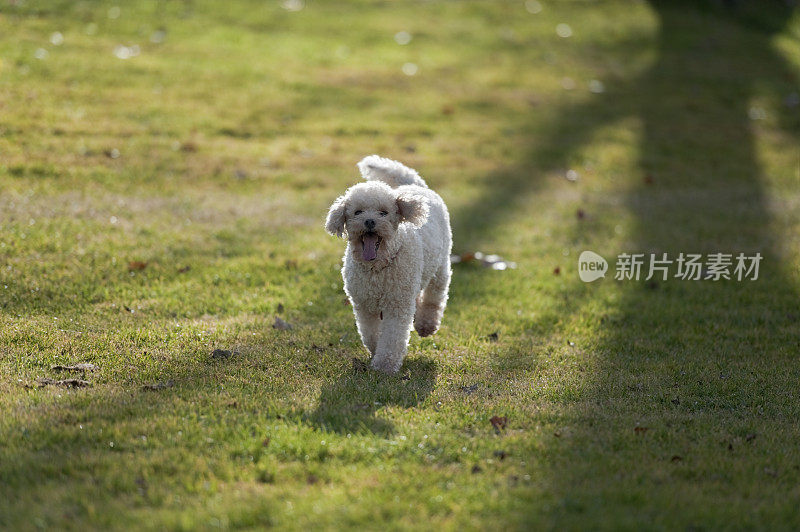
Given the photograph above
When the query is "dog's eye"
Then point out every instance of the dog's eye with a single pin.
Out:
(384, 213)
(358, 212)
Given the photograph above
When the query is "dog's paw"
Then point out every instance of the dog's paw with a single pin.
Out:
(426, 328)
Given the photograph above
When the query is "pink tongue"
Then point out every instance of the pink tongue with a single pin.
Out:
(368, 244)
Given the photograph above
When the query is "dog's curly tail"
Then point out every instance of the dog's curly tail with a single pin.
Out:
(394, 174)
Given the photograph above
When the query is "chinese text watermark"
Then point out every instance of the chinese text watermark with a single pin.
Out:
(686, 266)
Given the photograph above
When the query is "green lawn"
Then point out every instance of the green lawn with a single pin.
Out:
(205, 141)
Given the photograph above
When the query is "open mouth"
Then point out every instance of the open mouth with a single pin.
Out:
(370, 242)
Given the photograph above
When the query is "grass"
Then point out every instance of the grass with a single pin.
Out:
(219, 147)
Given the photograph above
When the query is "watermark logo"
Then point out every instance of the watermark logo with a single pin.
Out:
(591, 266)
(686, 267)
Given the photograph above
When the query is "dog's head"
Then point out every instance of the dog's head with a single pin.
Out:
(369, 215)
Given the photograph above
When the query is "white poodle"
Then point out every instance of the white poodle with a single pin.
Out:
(397, 262)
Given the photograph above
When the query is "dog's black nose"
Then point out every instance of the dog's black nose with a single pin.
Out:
(370, 224)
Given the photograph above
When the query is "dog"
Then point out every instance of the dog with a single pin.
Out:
(397, 263)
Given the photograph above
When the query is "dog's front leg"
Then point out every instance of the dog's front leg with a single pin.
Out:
(393, 340)
(369, 324)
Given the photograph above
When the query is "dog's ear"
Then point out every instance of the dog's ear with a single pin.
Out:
(336, 217)
(413, 208)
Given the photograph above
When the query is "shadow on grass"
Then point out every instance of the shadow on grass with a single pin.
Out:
(349, 403)
(703, 368)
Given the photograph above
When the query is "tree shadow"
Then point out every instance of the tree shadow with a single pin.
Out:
(702, 365)
(348, 404)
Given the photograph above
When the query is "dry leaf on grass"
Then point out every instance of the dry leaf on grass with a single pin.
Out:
(499, 423)
(223, 354)
(68, 383)
(189, 147)
(136, 265)
(82, 366)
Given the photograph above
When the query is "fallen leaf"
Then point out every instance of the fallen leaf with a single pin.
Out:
(136, 265)
(281, 325)
(82, 366)
(469, 390)
(640, 430)
(499, 423)
(68, 383)
(222, 354)
(158, 385)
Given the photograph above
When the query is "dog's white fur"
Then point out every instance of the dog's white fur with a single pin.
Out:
(407, 280)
